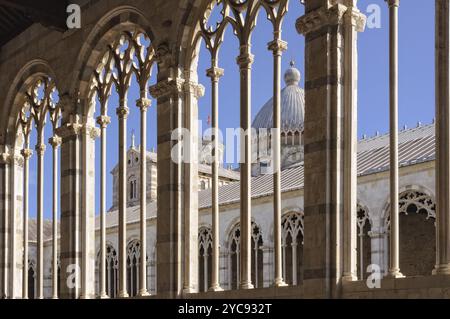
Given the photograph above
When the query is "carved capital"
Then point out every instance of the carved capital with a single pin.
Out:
(55, 141)
(355, 18)
(103, 121)
(69, 130)
(393, 3)
(5, 158)
(245, 60)
(319, 18)
(26, 153)
(167, 87)
(91, 131)
(215, 73)
(18, 160)
(40, 149)
(195, 89)
(143, 103)
(122, 112)
(277, 46)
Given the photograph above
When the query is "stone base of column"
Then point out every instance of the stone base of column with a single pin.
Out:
(143, 293)
(279, 283)
(394, 273)
(189, 290)
(123, 294)
(215, 288)
(349, 277)
(443, 269)
(246, 285)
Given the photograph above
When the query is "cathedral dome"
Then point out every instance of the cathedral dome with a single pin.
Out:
(292, 105)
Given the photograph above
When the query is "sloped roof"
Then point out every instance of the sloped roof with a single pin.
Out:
(415, 146)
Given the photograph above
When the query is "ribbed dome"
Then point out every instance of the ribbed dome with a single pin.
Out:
(292, 105)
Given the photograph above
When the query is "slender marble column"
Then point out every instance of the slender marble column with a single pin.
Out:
(143, 104)
(122, 113)
(214, 73)
(245, 61)
(277, 46)
(442, 138)
(294, 261)
(55, 142)
(40, 149)
(350, 141)
(26, 153)
(394, 264)
(103, 121)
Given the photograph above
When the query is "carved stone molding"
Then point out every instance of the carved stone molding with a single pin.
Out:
(55, 141)
(26, 153)
(245, 60)
(91, 131)
(143, 103)
(18, 160)
(40, 148)
(316, 19)
(356, 19)
(215, 73)
(167, 87)
(277, 46)
(103, 121)
(5, 158)
(122, 112)
(195, 89)
(69, 130)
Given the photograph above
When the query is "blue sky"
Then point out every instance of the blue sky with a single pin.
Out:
(416, 90)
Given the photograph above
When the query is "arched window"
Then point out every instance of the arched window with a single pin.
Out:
(417, 251)
(132, 188)
(111, 259)
(31, 279)
(363, 242)
(256, 258)
(205, 260)
(133, 259)
(292, 247)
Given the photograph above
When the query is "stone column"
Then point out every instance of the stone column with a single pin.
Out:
(352, 25)
(325, 56)
(277, 47)
(122, 113)
(192, 92)
(26, 153)
(214, 74)
(143, 103)
(103, 122)
(5, 160)
(89, 134)
(40, 149)
(442, 138)
(394, 262)
(245, 60)
(71, 173)
(55, 142)
(169, 241)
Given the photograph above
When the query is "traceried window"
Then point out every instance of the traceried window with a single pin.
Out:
(133, 260)
(256, 258)
(204, 255)
(363, 242)
(417, 233)
(292, 247)
(111, 271)
(31, 279)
